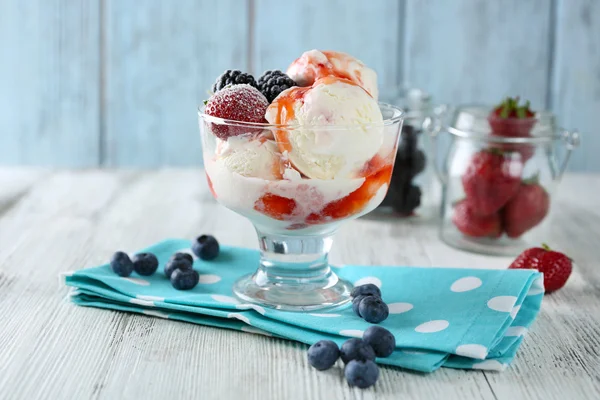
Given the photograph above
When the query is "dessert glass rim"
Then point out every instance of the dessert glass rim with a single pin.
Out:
(398, 115)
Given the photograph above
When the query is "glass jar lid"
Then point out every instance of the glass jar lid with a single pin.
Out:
(478, 122)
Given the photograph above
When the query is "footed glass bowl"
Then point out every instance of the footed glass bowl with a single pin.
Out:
(295, 217)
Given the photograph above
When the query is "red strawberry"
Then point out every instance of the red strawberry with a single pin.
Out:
(474, 225)
(555, 266)
(510, 119)
(491, 180)
(527, 209)
(242, 103)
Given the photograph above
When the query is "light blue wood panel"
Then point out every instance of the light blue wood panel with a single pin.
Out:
(576, 94)
(49, 82)
(479, 51)
(160, 59)
(368, 30)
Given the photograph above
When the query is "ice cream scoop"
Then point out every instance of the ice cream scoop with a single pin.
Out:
(336, 128)
(314, 64)
(252, 156)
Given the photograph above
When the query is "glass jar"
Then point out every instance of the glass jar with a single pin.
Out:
(498, 178)
(413, 191)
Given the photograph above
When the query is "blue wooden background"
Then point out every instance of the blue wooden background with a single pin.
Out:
(88, 83)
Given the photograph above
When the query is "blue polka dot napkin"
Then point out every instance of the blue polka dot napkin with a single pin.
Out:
(457, 318)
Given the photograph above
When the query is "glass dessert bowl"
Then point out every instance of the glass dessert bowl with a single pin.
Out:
(295, 217)
(299, 153)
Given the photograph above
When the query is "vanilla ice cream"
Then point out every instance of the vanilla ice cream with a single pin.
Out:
(252, 156)
(315, 64)
(336, 127)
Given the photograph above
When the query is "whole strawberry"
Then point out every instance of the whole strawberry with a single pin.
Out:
(555, 266)
(243, 103)
(473, 225)
(511, 119)
(491, 180)
(526, 209)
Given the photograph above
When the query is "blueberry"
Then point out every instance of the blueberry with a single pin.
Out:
(145, 263)
(323, 354)
(356, 349)
(361, 374)
(206, 247)
(356, 303)
(381, 340)
(372, 309)
(184, 279)
(121, 264)
(178, 261)
(368, 290)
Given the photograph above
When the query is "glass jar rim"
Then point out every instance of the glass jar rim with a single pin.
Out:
(397, 116)
(544, 130)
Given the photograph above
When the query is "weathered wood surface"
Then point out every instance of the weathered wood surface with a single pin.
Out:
(65, 220)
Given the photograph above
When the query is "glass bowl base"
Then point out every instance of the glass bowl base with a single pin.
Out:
(495, 247)
(293, 294)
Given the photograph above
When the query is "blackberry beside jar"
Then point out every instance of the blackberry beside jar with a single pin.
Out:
(413, 192)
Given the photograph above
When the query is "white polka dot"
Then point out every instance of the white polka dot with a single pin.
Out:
(137, 281)
(225, 299)
(490, 365)
(352, 333)
(516, 331)
(515, 311)
(254, 307)
(326, 315)
(141, 302)
(67, 273)
(465, 284)
(151, 298)
(208, 279)
(73, 292)
(155, 313)
(415, 352)
(399, 308)
(239, 317)
(368, 279)
(537, 287)
(472, 351)
(251, 329)
(502, 303)
(432, 326)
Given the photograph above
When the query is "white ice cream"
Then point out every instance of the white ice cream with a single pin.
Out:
(315, 64)
(337, 128)
(250, 156)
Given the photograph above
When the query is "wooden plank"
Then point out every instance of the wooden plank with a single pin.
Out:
(49, 75)
(89, 353)
(160, 60)
(284, 30)
(576, 85)
(469, 51)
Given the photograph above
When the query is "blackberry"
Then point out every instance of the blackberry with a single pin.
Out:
(271, 83)
(233, 77)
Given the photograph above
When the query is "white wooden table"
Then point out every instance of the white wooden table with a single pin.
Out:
(52, 221)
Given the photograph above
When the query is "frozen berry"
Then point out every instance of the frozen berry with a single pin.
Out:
(184, 279)
(356, 349)
(145, 263)
(368, 289)
(373, 310)
(381, 340)
(233, 77)
(271, 83)
(243, 103)
(206, 247)
(361, 374)
(178, 261)
(323, 354)
(121, 264)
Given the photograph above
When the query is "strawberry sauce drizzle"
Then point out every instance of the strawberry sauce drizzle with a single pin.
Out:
(283, 208)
